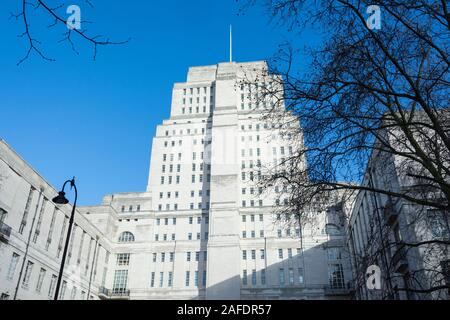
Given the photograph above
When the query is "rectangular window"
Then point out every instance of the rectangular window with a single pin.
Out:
(27, 275)
(161, 279)
(253, 254)
(123, 259)
(196, 278)
(244, 277)
(23, 223)
(12, 266)
(187, 278)
(51, 290)
(254, 277)
(62, 293)
(263, 276)
(262, 254)
(244, 254)
(42, 273)
(291, 276)
(152, 280)
(188, 256)
(120, 281)
(336, 276)
(300, 275)
(281, 276)
(170, 280)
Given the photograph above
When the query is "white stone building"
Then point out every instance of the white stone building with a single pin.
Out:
(384, 231)
(202, 229)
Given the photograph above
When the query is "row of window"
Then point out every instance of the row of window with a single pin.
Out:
(187, 280)
(194, 141)
(131, 208)
(200, 205)
(51, 226)
(165, 237)
(189, 131)
(293, 279)
(190, 220)
(42, 276)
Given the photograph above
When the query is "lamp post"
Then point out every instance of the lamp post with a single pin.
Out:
(61, 199)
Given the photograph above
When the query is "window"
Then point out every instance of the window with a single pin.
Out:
(437, 224)
(281, 276)
(123, 259)
(161, 279)
(170, 280)
(244, 218)
(263, 276)
(188, 256)
(163, 256)
(253, 254)
(254, 277)
(28, 271)
(289, 253)
(154, 256)
(12, 266)
(196, 278)
(120, 281)
(279, 233)
(261, 233)
(244, 277)
(51, 290)
(191, 219)
(23, 223)
(126, 237)
(188, 275)
(291, 276)
(244, 254)
(280, 253)
(172, 256)
(152, 280)
(40, 279)
(62, 293)
(300, 275)
(336, 276)
(73, 294)
(244, 234)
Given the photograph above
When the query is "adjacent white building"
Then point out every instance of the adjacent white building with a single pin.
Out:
(384, 231)
(203, 229)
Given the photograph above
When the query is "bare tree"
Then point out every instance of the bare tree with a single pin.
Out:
(367, 92)
(57, 16)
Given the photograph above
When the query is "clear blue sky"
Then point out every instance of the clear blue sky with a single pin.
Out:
(95, 119)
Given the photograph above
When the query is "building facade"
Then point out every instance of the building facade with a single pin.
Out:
(408, 242)
(203, 229)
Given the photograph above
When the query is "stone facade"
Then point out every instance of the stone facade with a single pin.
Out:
(202, 229)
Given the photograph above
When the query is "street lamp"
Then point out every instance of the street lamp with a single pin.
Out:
(61, 199)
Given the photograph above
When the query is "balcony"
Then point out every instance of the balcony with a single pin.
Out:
(338, 290)
(114, 294)
(5, 232)
(399, 260)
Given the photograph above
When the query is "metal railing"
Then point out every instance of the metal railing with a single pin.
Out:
(114, 293)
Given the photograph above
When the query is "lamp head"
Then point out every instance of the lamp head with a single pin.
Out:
(60, 198)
